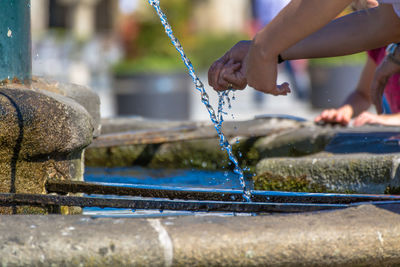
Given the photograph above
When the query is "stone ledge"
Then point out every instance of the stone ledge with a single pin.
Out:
(362, 172)
(358, 236)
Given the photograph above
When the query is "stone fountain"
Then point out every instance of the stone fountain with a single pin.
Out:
(45, 124)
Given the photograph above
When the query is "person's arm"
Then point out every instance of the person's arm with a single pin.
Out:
(389, 66)
(357, 102)
(361, 100)
(297, 20)
(350, 34)
(382, 119)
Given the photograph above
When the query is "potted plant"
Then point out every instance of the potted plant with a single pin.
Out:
(150, 80)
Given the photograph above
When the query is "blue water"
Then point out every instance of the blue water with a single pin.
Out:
(217, 119)
(188, 179)
(164, 177)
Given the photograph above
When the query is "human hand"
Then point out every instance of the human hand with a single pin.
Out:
(363, 4)
(341, 115)
(229, 69)
(368, 118)
(382, 74)
(261, 72)
(382, 119)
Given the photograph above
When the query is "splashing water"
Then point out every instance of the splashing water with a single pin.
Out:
(217, 119)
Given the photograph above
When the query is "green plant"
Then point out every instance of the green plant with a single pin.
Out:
(155, 53)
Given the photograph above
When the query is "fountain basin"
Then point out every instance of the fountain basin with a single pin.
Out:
(365, 235)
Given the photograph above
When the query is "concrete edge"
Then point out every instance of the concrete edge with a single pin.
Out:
(364, 235)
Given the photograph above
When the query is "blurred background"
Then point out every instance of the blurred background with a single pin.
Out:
(119, 49)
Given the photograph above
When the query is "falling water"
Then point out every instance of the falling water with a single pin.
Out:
(217, 119)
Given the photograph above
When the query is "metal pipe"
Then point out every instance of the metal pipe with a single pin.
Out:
(15, 41)
(9, 199)
(65, 187)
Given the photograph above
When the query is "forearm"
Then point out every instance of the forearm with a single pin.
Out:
(357, 103)
(356, 32)
(296, 21)
(390, 119)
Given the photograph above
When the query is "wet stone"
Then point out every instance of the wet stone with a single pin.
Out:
(43, 136)
(363, 160)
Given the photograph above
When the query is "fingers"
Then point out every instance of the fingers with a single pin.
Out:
(214, 72)
(227, 76)
(333, 116)
(236, 77)
(284, 89)
(278, 90)
(366, 118)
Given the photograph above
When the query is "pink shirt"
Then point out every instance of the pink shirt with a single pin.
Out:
(392, 90)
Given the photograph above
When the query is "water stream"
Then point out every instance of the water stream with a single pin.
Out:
(217, 119)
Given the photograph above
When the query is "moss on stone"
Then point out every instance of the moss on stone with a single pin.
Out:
(43, 136)
(392, 190)
(197, 154)
(203, 154)
(274, 182)
(120, 156)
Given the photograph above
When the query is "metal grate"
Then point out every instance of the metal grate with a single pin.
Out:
(204, 200)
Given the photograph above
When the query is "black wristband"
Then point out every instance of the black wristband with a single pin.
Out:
(280, 59)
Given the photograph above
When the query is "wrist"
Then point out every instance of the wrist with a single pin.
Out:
(347, 110)
(393, 53)
(265, 49)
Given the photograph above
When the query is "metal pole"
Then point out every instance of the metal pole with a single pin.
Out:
(203, 206)
(15, 41)
(65, 187)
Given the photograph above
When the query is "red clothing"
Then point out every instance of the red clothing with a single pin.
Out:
(392, 89)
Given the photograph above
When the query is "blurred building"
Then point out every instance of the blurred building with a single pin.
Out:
(79, 41)
(83, 17)
(222, 15)
(74, 41)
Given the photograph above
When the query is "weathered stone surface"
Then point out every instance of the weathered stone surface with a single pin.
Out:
(201, 154)
(83, 95)
(116, 125)
(43, 135)
(42, 124)
(361, 236)
(363, 173)
(199, 145)
(75, 241)
(304, 140)
(361, 160)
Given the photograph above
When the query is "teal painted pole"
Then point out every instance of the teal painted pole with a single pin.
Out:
(15, 40)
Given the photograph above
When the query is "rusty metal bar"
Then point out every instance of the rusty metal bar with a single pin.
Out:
(65, 187)
(9, 199)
